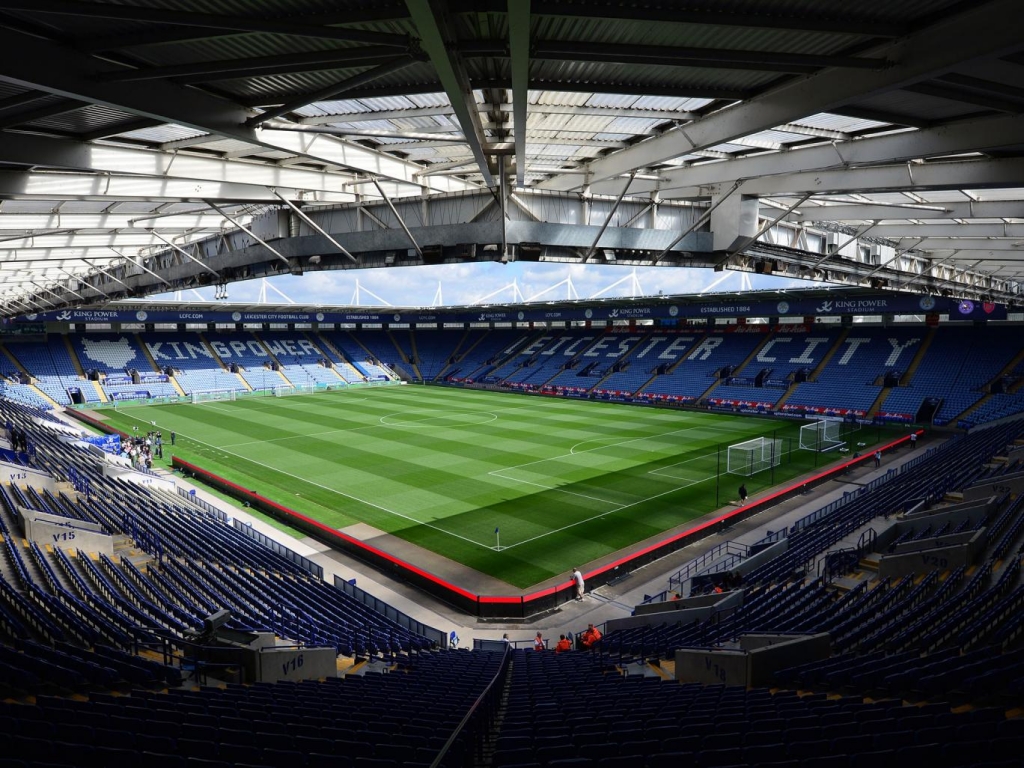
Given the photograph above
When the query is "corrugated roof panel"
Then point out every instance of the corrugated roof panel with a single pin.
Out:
(162, 133)
(560, 98)
(232, 145)
(612, 100)
(427, 123)
(670, 103)
(828, 121)
(777, 137)
(729, 148)
(365, 125)
(83, 206)
(84, 119)
(130, 206)
(597, 29)
(336, 107)
(633, 125)
(579, 124)
(424, 100)
(549, 151)
(1015, 193)
(942, 196)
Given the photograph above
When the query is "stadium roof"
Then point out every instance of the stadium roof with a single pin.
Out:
(160, 144)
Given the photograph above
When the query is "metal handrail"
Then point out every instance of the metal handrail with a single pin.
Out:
(484, 695)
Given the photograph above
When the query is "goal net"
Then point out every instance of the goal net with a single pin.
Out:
(753, 456)
(821, 436)
(283, 390)
(210, 395)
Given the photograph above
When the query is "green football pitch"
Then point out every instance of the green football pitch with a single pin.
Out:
(521, 488)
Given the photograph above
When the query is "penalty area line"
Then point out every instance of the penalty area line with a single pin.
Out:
(334, 490)
(605, 514)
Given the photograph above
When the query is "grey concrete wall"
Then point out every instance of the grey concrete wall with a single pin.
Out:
(1014, 483)
(295, 664)
(936, 559)
(975, 510)
(34, 514)
(138, 478)
(756, 561)
(685, 610)
(22, 476)
(772, 653)
(935, 542)
(695, 665)
(66, 535)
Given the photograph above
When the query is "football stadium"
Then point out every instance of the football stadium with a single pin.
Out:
(716, 458)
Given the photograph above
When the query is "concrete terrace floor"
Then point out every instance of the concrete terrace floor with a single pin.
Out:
(600, 605)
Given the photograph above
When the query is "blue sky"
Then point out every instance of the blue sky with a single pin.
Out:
(463, 284)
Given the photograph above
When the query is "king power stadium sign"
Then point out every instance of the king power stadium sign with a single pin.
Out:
(891, 304)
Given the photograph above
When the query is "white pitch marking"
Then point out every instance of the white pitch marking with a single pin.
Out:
(553, 488)
(334, 490)
(605, 514)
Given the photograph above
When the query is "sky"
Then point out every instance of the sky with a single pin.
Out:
(485, 283)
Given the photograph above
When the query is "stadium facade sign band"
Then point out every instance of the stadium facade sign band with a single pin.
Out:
(893, 304)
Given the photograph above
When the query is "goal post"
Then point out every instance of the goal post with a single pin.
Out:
(753, 456)
(822, 435)
(212, 395)
(283, 390)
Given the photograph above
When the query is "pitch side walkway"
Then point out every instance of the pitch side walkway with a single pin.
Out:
(604, 603)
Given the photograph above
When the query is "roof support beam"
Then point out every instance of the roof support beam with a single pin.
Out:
(839, 25)
(866, 211)
(971, 136)
(259, 66)
(333, 90)
(138, 263)
(569, 50)
(301, 214)
(247, 231)
(764, 228)
(607, 221)
(201, 20)
(104, 272)
(187, 255)
(80, 278)
(115, 187)
(980, 31)
(397, 215)
(969, 174)
(519, 55)
(43, 65)
(950, 230)
(439, 41)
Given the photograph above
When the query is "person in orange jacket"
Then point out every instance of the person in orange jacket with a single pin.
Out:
(538, 643)
(589, 636)
(563, 644)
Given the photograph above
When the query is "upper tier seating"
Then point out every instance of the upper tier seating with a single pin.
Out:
(53, 368)
(850, 382)
(706, 356)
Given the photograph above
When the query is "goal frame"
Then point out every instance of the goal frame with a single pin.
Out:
(286, 390)
(213, 395)
(822, 435)
(753, 456)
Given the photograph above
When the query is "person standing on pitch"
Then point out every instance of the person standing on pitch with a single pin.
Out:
(577, 580)
(743, 493)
